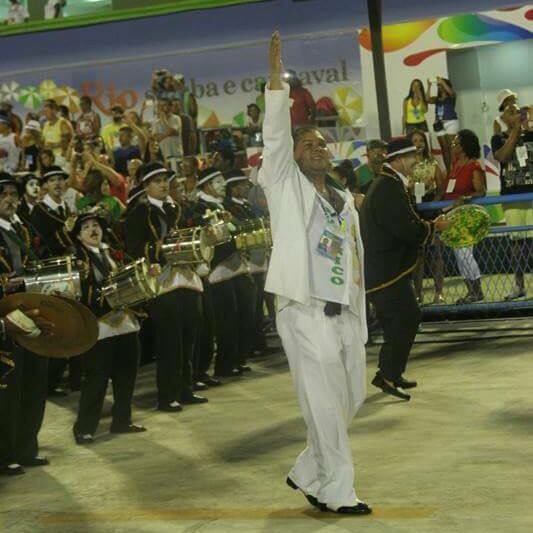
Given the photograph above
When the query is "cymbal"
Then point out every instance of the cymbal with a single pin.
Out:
(75, 328)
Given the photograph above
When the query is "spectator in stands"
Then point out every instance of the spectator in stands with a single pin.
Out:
(224, 159)
(9, 149)
(255, 119)
(64, 155)
(140, 131)
(88, 124)
(189, 170)
(376, 151)
(117, 182)
(110, 131)
(97, 193)
(512, 149)
(17, 13)
(446, 123)
(254, 126)
(53, 9)
(505, 98)
(14, 120)
(188, 131)
(303, 109)
(132, 178)
(465, 181)
(31, 142)
(125, 151)
(167, 130)
(45, 161)
(415, 107)
(189, 105)
(432, 252)
(54, 127)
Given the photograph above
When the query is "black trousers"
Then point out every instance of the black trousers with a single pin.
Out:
(115, 358)
(22, 405)
(399, 316)
(56, 369)
(234, 303)
(176, 318)
(259, 342)
(204, 348)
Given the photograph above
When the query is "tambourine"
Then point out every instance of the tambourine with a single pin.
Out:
(470, 225)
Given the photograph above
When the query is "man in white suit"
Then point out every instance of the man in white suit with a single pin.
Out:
(316, 273)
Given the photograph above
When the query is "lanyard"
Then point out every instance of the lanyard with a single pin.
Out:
(332, 218)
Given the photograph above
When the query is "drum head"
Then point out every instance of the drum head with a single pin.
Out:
(206, 251)
(75, 327)
(470, 224)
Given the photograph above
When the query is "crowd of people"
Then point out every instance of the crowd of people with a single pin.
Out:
(111, 193)
(19, 13)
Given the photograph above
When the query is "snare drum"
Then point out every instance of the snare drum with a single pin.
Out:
(253, 234)
(188, 247)
(57, 275)
(218, 233)
(130, 285)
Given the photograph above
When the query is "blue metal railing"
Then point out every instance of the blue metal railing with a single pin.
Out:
(493, 257)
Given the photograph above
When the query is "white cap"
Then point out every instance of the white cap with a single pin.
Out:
(503, 95)
(32, 125)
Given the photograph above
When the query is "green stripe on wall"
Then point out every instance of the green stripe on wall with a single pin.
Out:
(119, 14)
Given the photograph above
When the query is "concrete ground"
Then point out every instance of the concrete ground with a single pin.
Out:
(457, 458)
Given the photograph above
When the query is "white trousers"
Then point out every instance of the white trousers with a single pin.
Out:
(466, 263)
(328, 366)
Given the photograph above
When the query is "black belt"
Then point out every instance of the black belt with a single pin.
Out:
(332, 309)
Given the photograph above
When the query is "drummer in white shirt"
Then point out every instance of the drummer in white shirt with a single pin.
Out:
(316, 272)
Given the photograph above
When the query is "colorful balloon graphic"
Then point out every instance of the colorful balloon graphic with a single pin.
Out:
(470, 28)
(397, 36)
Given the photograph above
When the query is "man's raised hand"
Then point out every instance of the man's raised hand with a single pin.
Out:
(275, 64)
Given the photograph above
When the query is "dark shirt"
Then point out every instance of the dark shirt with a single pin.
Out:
(514, 177)
(123, 155)
(445, 109)
(31, 153)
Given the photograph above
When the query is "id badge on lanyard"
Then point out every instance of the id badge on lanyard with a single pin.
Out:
(331, 240)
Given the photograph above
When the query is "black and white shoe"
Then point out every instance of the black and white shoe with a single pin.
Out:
(361, 508)
(311, 499)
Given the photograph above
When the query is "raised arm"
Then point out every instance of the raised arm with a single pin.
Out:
(278, 159)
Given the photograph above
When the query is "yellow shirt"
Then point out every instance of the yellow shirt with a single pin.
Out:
(109, 134)
(52, 133)
(415, 114)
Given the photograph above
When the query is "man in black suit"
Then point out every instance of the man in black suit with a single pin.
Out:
(48, 220)
(23, 393)
(147, 225)
(392, 234)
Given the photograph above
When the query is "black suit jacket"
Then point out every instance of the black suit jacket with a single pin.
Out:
(392, 232)
(143, 229)
(50, 227)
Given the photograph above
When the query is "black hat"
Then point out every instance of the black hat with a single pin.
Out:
(8, 179)
(235, 176)
(148, 171)
(134, 194)
(398, 147)
(53, 171)
(29, 177)
(207, 175)
(95, 213)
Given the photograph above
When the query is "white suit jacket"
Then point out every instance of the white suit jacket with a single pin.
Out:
(291, 198)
